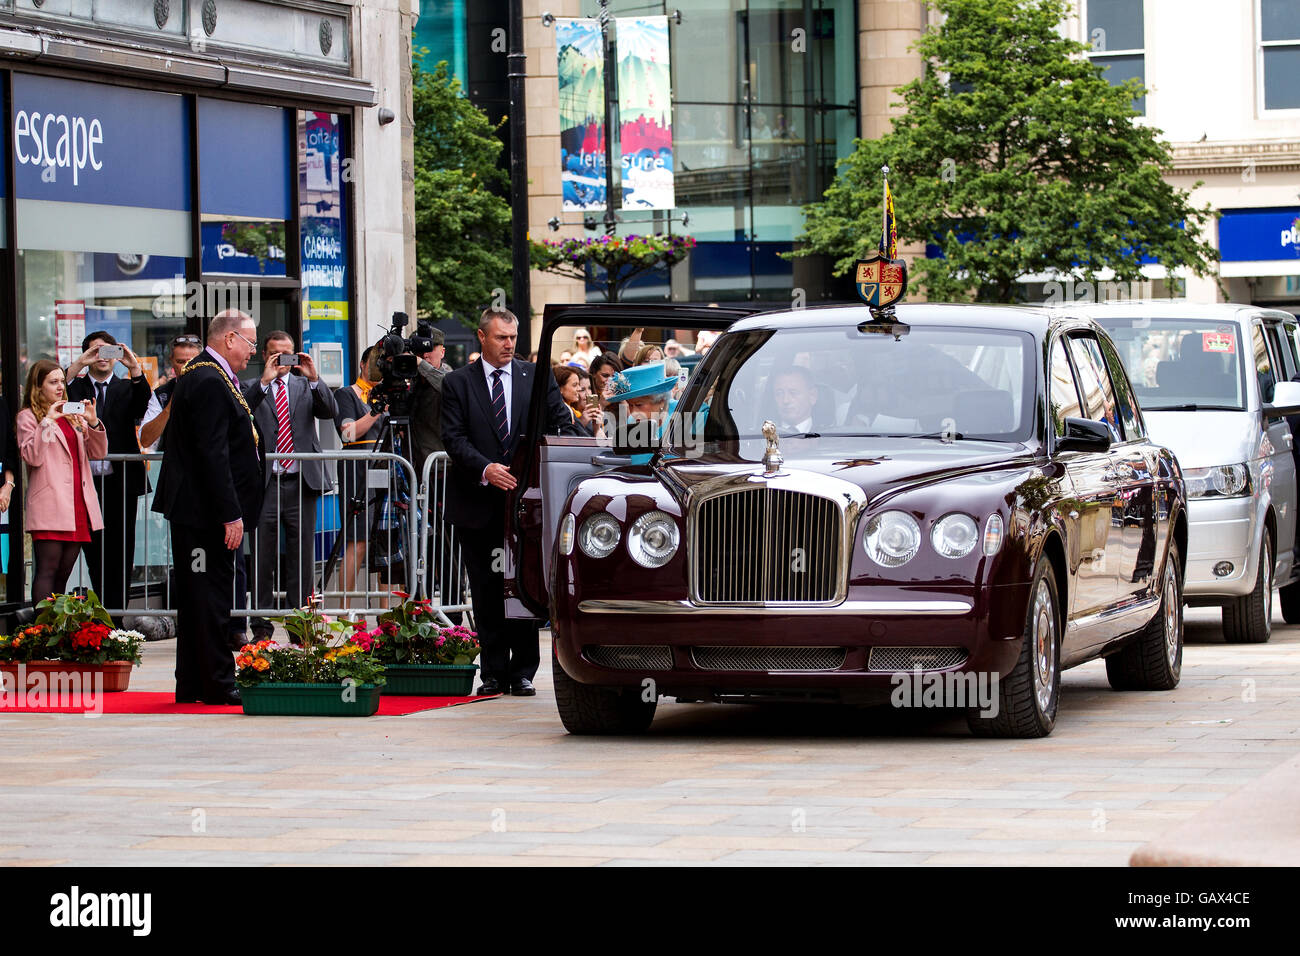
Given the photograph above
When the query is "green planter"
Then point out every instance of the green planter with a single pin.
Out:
(309, 700)
(430, 680)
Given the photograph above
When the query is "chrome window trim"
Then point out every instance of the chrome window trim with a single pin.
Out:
(953, 607)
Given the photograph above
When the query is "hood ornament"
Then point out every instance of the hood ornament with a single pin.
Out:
(772, 459)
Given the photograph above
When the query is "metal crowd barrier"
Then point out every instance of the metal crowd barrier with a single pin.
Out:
(397, 533)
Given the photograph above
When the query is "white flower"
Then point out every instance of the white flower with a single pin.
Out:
(121, 635)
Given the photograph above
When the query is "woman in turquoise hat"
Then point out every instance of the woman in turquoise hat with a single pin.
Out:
(643, 393)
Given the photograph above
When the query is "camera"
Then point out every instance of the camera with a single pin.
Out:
(74, 408)
(399, 363)
(110, 352)
(286, 358)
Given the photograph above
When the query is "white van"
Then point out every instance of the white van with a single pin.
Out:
(1214, 383)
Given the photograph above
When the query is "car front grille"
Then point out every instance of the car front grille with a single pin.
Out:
(651, 657)
(768, 658)
(767, 545)
(894, 659)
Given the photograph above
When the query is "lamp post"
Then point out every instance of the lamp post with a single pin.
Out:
(520, 260)
(611, 116)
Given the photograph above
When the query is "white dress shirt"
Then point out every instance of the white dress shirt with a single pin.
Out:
(507, 389)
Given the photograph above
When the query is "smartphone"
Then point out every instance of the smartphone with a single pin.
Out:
(286, 358)
(110, 351)
(74, 408)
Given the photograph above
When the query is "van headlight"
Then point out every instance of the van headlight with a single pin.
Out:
(955, 535)
(892, 538)
(599, 536)
(1219, 481)
(653, 540)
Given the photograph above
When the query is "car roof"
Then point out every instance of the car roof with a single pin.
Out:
(1215, 311)
(1034, 319)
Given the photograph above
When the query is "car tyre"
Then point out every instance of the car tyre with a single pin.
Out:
(1289, 598)
(589, 709)
(1249, 618)
(1153, 659)
(1029, 695)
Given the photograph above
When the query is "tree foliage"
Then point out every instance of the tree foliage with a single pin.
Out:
(462, 224)
(1015, 156)
(611, 261)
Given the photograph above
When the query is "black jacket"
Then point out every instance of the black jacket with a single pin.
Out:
(126, 402)
(426, 415)
(212, 467)
(472, 442)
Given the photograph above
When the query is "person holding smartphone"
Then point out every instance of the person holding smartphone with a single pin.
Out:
(121, 403)
(58, 439)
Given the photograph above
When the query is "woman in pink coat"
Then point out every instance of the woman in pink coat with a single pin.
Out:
(61, 506)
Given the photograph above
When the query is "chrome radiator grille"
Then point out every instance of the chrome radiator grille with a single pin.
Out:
(893, 659)
(768, 658)
(653, 657)
(767, 545)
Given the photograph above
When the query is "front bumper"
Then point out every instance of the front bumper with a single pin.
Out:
(984, 624)
(1222, 529)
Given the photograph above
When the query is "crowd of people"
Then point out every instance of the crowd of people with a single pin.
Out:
(232, 492)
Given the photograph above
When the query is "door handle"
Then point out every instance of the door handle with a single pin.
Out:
(611, 461)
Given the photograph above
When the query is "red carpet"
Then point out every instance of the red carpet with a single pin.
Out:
(150, 702)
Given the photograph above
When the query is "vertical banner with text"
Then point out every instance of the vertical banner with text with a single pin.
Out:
(645, 113)
(581, 71)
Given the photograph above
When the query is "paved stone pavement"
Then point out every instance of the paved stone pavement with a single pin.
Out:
(499, 782)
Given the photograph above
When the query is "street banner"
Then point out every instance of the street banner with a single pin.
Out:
(581, 72)
(645, 113)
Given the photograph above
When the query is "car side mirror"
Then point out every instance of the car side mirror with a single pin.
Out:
(1083, 434)
(1286, 399)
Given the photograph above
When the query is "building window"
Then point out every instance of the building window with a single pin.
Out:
(1116, 38)
(1279, 53)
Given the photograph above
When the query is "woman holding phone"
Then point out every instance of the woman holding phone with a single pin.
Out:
(57, 440)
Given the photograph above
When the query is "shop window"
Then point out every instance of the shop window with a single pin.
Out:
(323, 227)
(1280, 53)
(1116, 39)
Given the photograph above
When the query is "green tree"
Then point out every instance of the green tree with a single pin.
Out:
(1014, 142)
(462, 224)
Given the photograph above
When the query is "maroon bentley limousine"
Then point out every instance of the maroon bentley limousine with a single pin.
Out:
(836, 500)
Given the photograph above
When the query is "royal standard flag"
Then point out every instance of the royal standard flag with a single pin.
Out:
(889, 232)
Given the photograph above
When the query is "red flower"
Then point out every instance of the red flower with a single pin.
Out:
(90, 635)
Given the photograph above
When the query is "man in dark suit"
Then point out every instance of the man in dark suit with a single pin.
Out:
(484, 414)
(443, 571)
(210, 489)
(286, 414)
(119, 403)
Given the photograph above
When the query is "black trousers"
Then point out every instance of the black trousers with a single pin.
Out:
(205, 577)
(443, 571)
(110, 553)
(509, 646)
(292, 571)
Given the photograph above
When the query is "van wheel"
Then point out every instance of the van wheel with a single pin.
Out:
(1028, 696)
(1289, 598)
(1153, 659)
(591, 709)
(1249, 619)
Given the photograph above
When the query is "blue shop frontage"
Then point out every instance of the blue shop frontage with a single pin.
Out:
(143, 212)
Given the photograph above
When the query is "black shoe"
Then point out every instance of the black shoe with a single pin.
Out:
(230, 699)
(186, 699)
(490, 687)
(523, 688)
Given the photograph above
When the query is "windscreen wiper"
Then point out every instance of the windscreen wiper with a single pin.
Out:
(1190, 407)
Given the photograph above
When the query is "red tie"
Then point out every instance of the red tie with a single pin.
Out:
(284, 435)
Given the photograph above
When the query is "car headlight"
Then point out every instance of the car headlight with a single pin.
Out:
(992, 535)
(955, 535)
(599, 535)
(892, 538)
(1220, 481)
(566, 535)
(653, 539)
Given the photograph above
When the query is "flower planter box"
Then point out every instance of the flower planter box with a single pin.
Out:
(430, 680)
(309, 700)
(69, 675)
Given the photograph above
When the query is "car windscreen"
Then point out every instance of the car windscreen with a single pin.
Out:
(938, 381)
(1181, 364)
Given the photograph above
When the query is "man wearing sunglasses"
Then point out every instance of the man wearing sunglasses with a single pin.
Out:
(183, 349)
(210, 489)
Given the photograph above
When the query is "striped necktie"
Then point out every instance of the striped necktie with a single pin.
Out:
(499, 406)
(284, 433)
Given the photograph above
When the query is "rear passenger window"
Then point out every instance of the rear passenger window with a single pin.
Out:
(1263, 364)
(1128, 406)
(1063, 394)
(1099, 400)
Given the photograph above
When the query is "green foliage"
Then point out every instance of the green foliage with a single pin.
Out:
(621, 258)
(462, 226)
(1014, 140)
(70, 627)
(409, 634)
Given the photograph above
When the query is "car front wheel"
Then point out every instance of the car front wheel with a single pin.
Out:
(1249, 619)
(592, 709)
(1153, 660)
(1028, 696)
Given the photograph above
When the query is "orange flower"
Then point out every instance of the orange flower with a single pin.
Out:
(243, 660)
(261, 664)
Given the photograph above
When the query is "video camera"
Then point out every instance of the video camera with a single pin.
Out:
(399, 363)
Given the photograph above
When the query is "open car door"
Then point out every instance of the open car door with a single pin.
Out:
(548, 466)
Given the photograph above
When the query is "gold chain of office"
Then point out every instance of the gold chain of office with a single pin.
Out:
(238, 395)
